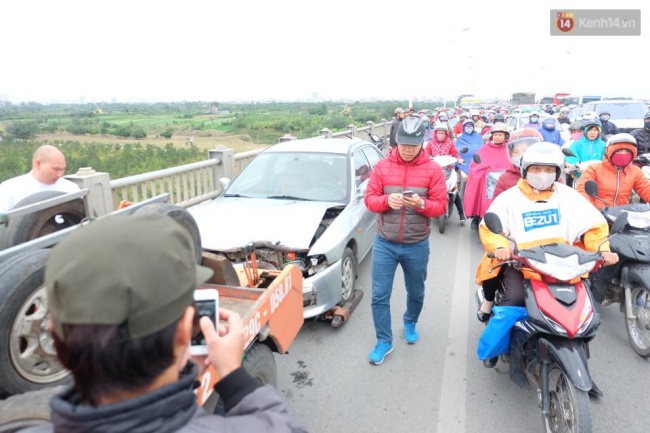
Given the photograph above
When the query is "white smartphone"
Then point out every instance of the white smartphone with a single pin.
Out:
(207, 304)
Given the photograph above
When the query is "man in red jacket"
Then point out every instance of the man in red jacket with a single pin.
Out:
(406, 189)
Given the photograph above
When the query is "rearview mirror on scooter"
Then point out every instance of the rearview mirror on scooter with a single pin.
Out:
(464, 149)
(493, 222)
(591, 188)
(568, 152)
(476, 158)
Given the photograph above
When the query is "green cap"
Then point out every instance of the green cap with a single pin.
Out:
(135, 270)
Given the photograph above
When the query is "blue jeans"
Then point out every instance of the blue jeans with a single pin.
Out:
(385, 257)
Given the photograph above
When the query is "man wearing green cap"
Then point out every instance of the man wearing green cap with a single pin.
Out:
(120, 293)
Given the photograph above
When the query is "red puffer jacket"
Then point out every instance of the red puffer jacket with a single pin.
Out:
(507, 180)
(394, 175)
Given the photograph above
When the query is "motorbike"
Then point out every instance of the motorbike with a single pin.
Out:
(376, 140)
(455, 180)
(628, 282)
(549, 348)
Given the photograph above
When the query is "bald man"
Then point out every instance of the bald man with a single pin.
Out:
(48, 167)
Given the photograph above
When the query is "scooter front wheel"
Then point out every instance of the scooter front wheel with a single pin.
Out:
(638, 329)
(570, 410)
(442, 222)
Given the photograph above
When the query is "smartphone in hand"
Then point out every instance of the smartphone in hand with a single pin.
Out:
(207, 304)
(407, 193)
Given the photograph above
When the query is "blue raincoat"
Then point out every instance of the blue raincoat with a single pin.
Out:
(472, 141)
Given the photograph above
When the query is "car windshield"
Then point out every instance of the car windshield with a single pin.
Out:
(623, 110)
(294, 176)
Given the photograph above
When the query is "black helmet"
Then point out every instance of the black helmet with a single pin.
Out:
(647, 115)
(498, 117)
(410, 132)
(576, 126)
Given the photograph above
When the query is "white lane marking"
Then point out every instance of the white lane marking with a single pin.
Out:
(451, 414)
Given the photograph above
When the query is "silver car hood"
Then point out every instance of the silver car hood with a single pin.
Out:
(229, 223)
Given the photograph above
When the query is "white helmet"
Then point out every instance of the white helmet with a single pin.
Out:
(543, 153)
(621, 138)
(474, 112)
(440, 127)
(464, 114)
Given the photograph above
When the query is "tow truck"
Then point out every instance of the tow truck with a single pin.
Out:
(269, 302)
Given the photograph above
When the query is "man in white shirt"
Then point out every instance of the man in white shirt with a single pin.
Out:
(48, 167)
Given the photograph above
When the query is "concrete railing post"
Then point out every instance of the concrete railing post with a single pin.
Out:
(371, 126)
(287, 137)
(226, 166)
(99, 201)
(326, 133)
(353, 130)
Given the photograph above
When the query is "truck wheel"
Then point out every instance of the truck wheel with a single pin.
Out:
(36, 224)
(260, 363)
(26, 410)
(348, 275)
(27, 356)
(181, 216)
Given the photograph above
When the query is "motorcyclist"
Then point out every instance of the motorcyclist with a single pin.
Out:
(642, 135)
(564, 116)
(441, 145)
(470, 139)
(458, 127)
(590, 147)
(608, 127)
(479, 123)
(519, 141)
(533, 121)
(539, 210)
(616, 176)
(548, 131)
(480, 183)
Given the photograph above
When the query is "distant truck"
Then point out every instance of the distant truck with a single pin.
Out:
(523, 98)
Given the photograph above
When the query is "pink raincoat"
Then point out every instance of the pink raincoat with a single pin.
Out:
(483, 177)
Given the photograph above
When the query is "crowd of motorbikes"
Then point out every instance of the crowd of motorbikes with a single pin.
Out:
(549, 348)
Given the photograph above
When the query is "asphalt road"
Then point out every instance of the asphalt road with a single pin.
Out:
(439, 385)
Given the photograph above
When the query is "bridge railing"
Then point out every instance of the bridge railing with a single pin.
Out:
(192, 183)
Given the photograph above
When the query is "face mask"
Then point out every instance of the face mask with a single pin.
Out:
(647, 125)
(540, 181)
(604, 118)
(576, 135)
(534, 119)
(516, 160)
(549, 127)
(621, 159)
(469, 130)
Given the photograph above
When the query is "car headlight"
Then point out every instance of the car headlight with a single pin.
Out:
(318, 263)
(562, 268)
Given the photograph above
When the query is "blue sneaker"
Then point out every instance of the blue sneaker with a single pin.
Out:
(379, 353)
(411, 334)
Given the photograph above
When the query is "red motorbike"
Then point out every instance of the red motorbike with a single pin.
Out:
(550, 347)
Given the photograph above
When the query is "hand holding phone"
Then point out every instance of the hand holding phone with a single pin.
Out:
(207, 304)
(407, 193)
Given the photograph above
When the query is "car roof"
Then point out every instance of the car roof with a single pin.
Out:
(341, 146)
(615, 101)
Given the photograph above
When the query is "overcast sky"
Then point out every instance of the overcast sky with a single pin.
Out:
(218, 50)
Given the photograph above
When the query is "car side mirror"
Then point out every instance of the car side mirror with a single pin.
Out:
(224, 182)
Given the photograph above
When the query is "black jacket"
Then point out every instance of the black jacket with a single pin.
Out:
(608, 128)
(642, 136)
(250, 407)
(393, 131)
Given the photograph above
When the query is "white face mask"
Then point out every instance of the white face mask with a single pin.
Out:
(469, 130)
(540, 181)
(516, 160)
